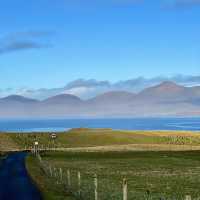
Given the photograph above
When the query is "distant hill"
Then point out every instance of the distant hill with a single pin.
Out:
(63, 99)
(115, 97)
(15, 106)
(17, 99)
(166, 91)
(165, 99)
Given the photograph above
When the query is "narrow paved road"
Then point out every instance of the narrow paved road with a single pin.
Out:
(15, 183)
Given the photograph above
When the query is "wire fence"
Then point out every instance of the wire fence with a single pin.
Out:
(87, 186)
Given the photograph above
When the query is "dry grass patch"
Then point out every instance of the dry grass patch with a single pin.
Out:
(7, 143)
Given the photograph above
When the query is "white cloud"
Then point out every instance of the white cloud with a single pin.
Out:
(80, 91)
(89, 88)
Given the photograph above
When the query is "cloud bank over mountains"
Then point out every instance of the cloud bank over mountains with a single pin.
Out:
(86, 89)
(165, 99)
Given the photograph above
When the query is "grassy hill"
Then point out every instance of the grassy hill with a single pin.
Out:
(80, 138)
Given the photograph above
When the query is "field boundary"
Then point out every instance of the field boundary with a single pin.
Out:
(67, 176)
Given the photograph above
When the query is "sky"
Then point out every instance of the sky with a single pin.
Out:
(47, 44)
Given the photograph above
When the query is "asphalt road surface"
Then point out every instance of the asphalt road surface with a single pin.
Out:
(15, 184)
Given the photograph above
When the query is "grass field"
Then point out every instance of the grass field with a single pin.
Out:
(79, 138)
(150, 175)
(49, 189)
(143, 157)
(7, 143)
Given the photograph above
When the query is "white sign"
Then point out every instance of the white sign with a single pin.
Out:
(36, 143)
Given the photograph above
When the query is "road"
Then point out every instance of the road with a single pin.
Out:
(15, 184)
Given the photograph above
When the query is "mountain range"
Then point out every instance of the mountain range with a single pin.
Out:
(165, 99)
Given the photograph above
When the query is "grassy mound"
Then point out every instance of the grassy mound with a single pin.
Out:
(107, 137)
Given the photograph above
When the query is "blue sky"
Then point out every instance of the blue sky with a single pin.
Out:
(46, 43)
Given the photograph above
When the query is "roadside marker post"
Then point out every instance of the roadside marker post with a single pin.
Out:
(36, 147)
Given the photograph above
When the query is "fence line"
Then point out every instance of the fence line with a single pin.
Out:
(58, 175)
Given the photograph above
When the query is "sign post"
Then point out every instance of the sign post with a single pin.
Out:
(36, 149)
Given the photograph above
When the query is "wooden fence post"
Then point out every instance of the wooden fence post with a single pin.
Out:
(61, 175)
(188, 197)
(55, 173)
(95, 187)
(125, 189)
(50, 171)
(79, 183)
(39, 157)
(34, 150)
(68, 178)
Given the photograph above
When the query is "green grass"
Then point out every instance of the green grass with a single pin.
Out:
(105, 137)
(49, 189)
(7, 144)
(150, 175)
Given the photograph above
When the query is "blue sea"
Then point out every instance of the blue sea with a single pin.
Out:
(55, 125)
